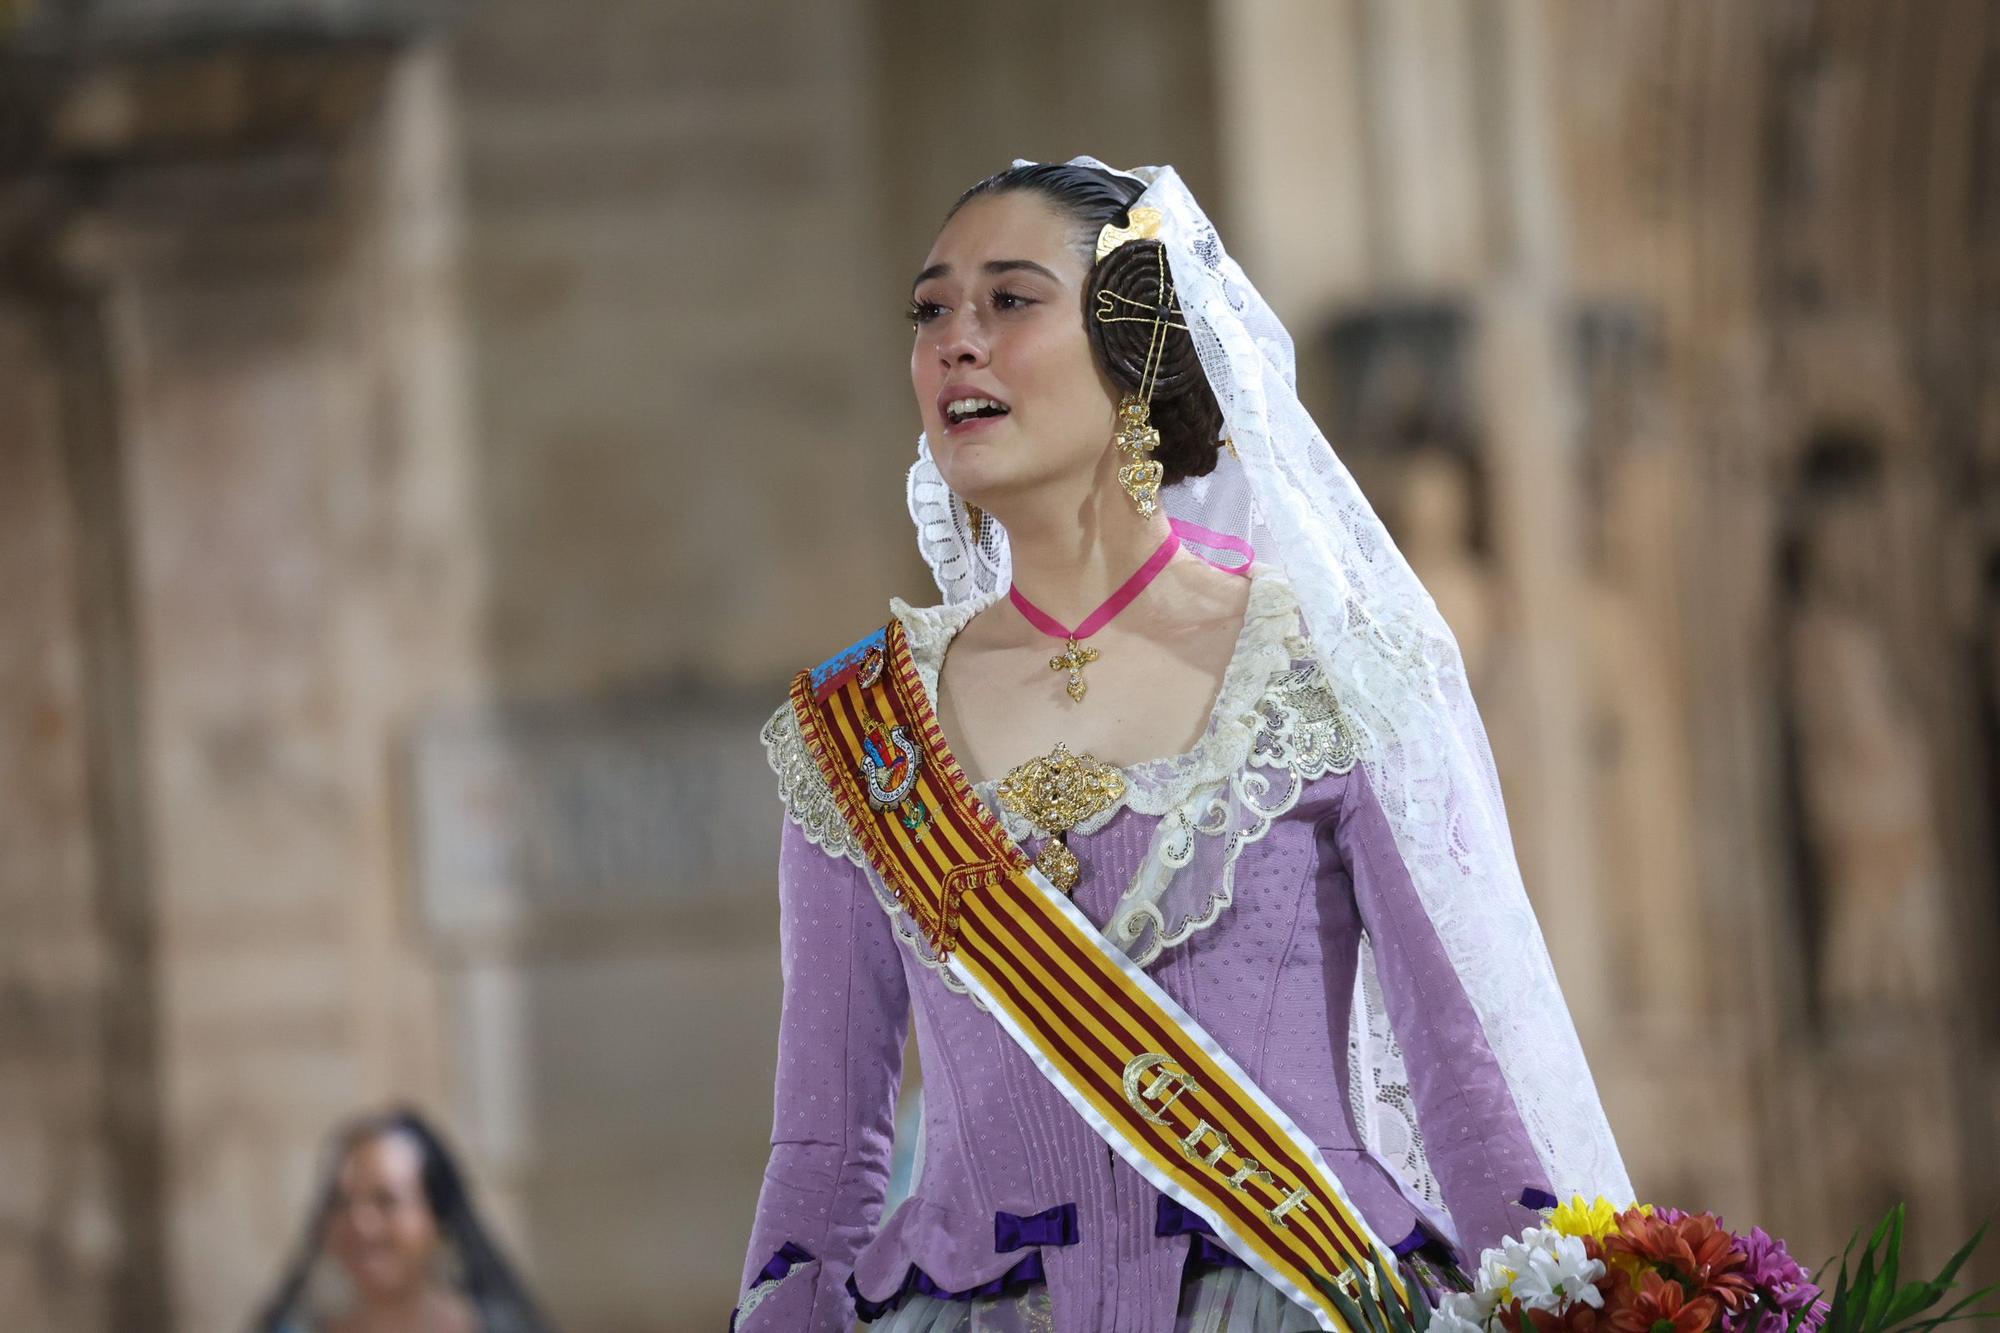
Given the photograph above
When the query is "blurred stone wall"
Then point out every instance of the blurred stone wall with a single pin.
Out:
(236, 569)
(1664, 337)
(675, 364)
(689, 232)
(1801, 200)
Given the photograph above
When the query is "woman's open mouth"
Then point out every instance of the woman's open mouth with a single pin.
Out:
(969, 412)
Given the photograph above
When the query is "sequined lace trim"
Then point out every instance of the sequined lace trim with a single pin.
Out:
(808, 800)
(810, 804)
(1300, 725)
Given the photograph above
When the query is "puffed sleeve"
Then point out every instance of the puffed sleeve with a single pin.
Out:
(1474, 1137)
(840, 1051)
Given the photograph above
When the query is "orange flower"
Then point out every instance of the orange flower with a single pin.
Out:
(1661, 1301)
(1696, 1250)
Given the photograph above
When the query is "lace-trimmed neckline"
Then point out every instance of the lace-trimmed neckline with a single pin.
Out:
(1152, 786)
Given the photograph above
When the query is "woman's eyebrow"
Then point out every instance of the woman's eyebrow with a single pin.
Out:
(990, 266)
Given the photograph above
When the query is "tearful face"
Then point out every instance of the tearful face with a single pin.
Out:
(1007, 386)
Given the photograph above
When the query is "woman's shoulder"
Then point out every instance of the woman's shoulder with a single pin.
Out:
(808, 800)
(928, 630)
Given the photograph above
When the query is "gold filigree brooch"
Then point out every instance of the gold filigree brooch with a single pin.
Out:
(1055, 792)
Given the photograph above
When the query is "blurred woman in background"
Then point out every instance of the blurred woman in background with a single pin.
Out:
(407, 1251)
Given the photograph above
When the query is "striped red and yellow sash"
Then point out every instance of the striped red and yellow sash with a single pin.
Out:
(1156, 1087)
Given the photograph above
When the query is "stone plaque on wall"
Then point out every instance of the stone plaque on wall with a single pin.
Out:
(587, 808)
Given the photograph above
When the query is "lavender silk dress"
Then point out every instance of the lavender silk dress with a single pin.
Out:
(1021, 1217)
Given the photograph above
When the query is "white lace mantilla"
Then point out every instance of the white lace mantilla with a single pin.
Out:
(1388, 657)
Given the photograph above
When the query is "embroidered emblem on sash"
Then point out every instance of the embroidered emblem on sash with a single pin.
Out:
(875, 751)
(889, 765)
(916, 817)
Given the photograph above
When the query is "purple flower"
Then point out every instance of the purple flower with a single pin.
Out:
(1782, 1280)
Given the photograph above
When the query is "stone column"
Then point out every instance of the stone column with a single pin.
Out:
(80, 1171)
(247, 507)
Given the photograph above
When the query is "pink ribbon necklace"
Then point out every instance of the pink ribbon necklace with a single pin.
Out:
(1075, 656)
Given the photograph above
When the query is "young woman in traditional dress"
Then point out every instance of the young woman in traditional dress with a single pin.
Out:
(1174, 826)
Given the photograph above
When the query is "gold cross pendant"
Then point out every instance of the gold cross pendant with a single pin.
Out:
(1075, 657)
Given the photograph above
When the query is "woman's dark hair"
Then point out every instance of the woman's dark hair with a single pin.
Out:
(1184, 408)
(487, 1281)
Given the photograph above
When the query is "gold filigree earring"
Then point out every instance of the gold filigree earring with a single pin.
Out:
(1138, 438)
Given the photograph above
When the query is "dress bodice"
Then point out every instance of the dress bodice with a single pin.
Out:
(1257, 881)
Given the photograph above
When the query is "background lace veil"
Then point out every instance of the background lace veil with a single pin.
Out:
(1396, 671)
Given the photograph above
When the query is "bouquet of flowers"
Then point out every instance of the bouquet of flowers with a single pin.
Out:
(1594, 1268)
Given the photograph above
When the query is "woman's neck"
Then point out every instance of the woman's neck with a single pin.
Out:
(1069, 565)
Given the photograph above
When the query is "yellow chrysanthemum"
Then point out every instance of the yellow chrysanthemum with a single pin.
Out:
(1593, 1220)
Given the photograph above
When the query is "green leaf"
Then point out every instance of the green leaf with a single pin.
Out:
(1356, 1321)
(1876, 1302)
(1839, 1320)
(1857, 1303)
(1420, 1302)
(1950, 1270)
(1911, 1300)
(1377, 1311)
(1360, 1318)
(1952, 1316)
(1893, 1268)
(1385, 1292)
(1884, 1289)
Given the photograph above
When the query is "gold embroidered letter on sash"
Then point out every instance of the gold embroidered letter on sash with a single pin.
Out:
(1295, 1200)
(1191, 1145)
(1174, 1082)
(1251, 1168)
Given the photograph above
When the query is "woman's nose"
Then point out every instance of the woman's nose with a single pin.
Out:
(962, 342)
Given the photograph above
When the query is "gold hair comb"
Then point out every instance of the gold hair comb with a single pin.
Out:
(1145, 227)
